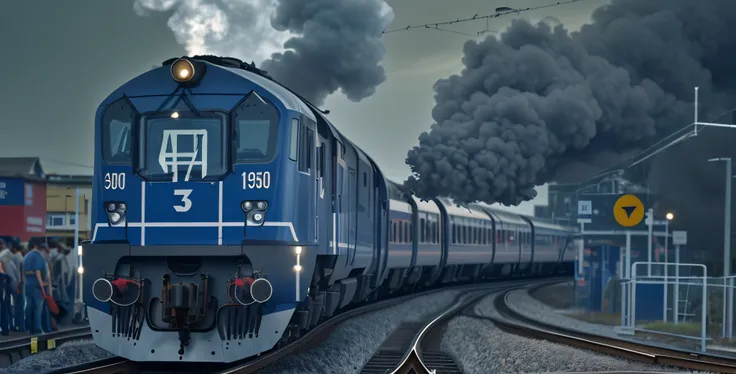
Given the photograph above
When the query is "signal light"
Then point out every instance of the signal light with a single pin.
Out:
(115, 212)
(255, 211)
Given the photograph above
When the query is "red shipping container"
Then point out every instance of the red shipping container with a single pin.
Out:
(22, 208)
(34, 216)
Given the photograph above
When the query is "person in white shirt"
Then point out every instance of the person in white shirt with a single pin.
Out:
(19, 315)
(8, 279)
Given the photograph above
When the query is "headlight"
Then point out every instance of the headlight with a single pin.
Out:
(116, 212)
(188, 72)
(182, 70)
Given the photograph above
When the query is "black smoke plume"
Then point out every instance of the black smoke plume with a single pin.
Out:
(339, 47)
(536, 100)
(314, 47)
(539, 104)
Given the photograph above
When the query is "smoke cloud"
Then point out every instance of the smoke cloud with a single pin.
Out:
(539, 103)
(314, 47)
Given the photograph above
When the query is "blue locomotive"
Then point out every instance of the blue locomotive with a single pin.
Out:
(230, 216)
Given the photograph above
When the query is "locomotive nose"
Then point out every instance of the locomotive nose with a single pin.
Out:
(102, 290)
(261, 290)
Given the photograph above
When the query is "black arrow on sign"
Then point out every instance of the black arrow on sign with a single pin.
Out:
(629, 210)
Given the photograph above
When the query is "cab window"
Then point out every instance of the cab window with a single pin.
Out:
(255, 129)
(117, 122)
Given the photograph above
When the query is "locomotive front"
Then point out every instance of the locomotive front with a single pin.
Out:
(201, 247)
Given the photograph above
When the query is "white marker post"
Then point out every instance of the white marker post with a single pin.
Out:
(650, 227)
(678, 238)
(585, 210)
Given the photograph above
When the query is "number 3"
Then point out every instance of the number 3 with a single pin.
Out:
(184, 199)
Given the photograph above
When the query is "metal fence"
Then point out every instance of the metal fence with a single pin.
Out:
(694, 305)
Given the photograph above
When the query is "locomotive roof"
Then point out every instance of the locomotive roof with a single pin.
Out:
(291, 100)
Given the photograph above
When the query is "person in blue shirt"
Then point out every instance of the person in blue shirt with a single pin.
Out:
(34, 266)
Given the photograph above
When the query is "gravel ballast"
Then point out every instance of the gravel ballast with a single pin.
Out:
(348, 348)
(520, 301)
(354, 342)
(68, 354)
(479, 347)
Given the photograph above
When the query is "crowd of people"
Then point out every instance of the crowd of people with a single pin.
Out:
(37, 285)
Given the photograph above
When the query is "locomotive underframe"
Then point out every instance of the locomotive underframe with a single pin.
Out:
(186, 308)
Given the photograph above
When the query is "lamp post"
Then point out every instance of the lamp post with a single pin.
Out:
(727, 292)
(670, 216)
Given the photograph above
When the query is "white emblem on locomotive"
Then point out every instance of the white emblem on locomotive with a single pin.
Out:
(175, 159)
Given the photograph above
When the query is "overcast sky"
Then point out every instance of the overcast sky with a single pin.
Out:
(63, 57)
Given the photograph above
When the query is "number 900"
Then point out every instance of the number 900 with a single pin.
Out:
(256, 180)
(115, 181)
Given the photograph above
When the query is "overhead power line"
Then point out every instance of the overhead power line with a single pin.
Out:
(677, 136)
(501, 11)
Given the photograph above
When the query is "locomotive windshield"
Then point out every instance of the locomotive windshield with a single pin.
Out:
(255, 124)
(183, 147)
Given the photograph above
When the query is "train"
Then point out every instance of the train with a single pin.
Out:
(230, 216)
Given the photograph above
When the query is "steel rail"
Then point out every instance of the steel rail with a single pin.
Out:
(517, 323)
(18, 348)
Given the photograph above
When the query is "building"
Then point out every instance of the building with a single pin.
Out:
(22, 197)
(34, 203)
(61, 192)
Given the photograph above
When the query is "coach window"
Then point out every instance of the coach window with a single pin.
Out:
(399, 232)
(117, 122)
(255, 127)
(405, 230)
(306, 148)
(422, 228)
(431, 230)
(293, 139)
(393, 231)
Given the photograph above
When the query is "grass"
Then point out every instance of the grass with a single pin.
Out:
(557, 296)
(609, 319)
(683, 328)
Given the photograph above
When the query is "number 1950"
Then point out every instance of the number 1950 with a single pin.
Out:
(256, 180)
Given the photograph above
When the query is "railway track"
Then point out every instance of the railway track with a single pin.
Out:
(414, 347)
(117, 365)
(16, 349)
(516, 323)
